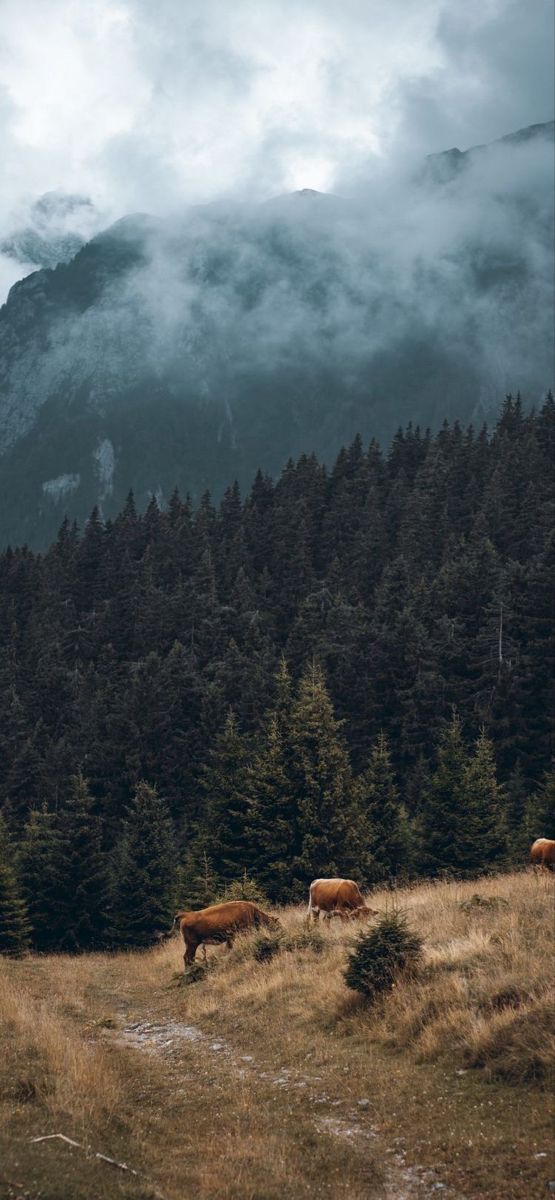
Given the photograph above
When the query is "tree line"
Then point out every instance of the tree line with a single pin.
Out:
(348, 672)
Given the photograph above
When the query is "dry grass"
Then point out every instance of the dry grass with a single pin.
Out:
(451, 1066)
(69, 1075)
(485, 995)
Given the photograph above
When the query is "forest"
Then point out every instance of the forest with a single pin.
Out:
(349, 671)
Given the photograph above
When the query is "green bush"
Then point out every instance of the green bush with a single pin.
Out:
(477, 901)
(379, 957)
(306, 939)
(194, 973)
(266, 945)
(244, 888)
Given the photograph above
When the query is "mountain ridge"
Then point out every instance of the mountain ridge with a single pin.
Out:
(192, 350)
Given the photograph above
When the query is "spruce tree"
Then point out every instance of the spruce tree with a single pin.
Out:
(378, 797)
(485, 824)
(441, 822)
(41, 868)
(463, 820)
(15, 927)
(81, 923)
(144, 871)
(330, 826)
(225, 786)
(539, 814)
(272, 827)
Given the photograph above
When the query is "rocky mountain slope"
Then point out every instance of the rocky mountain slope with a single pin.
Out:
(191, 351)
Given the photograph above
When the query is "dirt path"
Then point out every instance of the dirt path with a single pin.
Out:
(188, 1052)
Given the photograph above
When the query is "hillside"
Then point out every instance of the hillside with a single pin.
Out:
(270, 1079)
(348, 670)
(191, 350)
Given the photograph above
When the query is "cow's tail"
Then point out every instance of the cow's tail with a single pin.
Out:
(310, 906)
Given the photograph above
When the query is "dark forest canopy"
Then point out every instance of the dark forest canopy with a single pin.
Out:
(349, 671)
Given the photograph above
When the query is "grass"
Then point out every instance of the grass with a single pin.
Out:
(309, 1091)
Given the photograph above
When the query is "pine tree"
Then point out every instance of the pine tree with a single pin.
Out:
(272, 826)
(485, 825)
(14, 920)
(41, 869)
(225, 786)
(81, 922)
(196, 884)
(378, 797)
(441, 821)
(144, 871)
(330, 826)
(463, 819)
(539, 814)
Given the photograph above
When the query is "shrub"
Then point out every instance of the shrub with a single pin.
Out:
(306, 939)
(195, 972)
(244, 888)
(266, 945)
(476, 901)
(380, 956)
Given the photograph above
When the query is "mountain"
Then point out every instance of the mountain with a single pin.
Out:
(191, 350)
(52, 231)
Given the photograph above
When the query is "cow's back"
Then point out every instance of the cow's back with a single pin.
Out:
(231, 914)
(543, 851)
(329, 894)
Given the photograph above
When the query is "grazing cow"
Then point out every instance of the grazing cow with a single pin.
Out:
(337, 897)
(542, 853)
(219, 923)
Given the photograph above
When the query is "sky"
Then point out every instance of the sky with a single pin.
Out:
(150, 106)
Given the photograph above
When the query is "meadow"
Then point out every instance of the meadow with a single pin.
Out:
(256, 1080)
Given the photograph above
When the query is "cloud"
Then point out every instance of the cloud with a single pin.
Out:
(151, 106)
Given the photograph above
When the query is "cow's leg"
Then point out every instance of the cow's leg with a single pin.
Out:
(190, 951)
(229, 941)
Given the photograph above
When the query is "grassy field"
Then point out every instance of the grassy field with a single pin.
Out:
(267, 1080)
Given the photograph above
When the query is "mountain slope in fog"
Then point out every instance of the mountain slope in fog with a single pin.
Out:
(190, 351)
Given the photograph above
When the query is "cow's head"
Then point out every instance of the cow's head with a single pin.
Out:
(363, 913)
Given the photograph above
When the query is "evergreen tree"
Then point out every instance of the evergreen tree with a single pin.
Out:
(196, 884)
(272, 824)
(331, 836)
(485, 809)
(144, 871)
(41, 868)
(463, 820)
(82, 915)
(539, 814)
(14, 920)
(225, 785)
(442, 817)
(378, 797)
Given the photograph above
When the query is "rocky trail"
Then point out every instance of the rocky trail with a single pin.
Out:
(188, 1052)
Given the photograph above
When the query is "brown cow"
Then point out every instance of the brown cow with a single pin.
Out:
(219, 923)
(542, 853)
(337, 897)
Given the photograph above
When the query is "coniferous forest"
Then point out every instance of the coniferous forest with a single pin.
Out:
(349, 671)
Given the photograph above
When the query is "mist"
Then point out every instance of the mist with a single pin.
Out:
(448, 261)
(297, 241)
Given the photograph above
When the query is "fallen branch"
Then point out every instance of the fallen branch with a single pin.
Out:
(46, 1137)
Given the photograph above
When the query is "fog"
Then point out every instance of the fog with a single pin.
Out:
(401, 286)
(144, 107)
